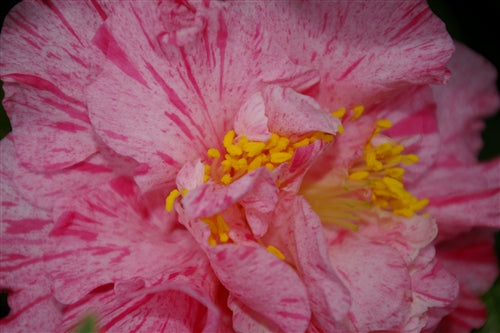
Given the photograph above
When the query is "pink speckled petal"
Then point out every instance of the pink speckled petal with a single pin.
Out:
(23, 229)
(44, 98)
(251, 119)
(342, 41)
(43, 189)
(210, 198)
(435, 288)
(263, 283)
(292, 113)
(329, 298)
(162, 311)
(459, 198)
(471, 258)
(413, 114)
(247, 320)
(109, 235)
(469, 96)
(165, 102)
(377, 279)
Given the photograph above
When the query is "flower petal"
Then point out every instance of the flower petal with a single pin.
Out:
(377, 279)
(23, 229)
(329, 298)
(341, 40)
(469, 96)
(99, 238)
(161, 311)
(157, 100)
(44, 99)
(263, 283)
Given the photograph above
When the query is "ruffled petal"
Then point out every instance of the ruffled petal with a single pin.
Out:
(165, 102)
(264, 283)
(329, 298)
(377, 279)
(23, 230)
(159, 311)
(99, 238)
(471, 258)
(342, 41)
(469, 96)
(459, 198)
(44, 99)
(43, 189)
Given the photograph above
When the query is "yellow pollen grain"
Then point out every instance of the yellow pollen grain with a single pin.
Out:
(340, 129)
(226, 179)
(255, 164)
(269, 166)
(280, 157)
(254, 148)
(384, 124)
(228, 138)
(339, 113)
(169, 202)
(359, 175)
(213, 153)
(276, 252)
(409, 159)
(302, 143)
(357, 112)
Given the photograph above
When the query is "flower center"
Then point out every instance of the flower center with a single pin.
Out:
(243, 155)
(374, 180)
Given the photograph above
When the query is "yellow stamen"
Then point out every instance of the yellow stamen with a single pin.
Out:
(359, 175)
(276, 252)
(339, 113)
(357, 112)
(169, 202)
(213, 153)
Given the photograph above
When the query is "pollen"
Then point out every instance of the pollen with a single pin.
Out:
(276, 252)
(169, 202)
(243, 155)
(218, 229)
(375, 180)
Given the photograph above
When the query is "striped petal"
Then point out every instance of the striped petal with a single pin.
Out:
(44, 99)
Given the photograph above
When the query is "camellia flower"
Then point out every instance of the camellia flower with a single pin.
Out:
(217, 166)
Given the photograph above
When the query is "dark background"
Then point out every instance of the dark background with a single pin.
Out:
(476, 24)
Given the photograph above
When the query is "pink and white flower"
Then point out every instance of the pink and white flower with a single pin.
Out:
(288, 208)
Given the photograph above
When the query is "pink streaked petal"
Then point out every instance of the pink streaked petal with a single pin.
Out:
(470, 313)
(44, 99)
(469, 96)
(432, 283)
(101, 237)
(33, 308)
(471, 258)
(44, 189)
(330, 300)
(23, 227)
(459, 198)
(247, 320)
(263, 283)
(23, 230)
(377, 279)
(191, 175)
(172, 101)
(50, 133)
(407, 235)
(342, 41)
(251, 120)
(163, 311)
(210, 198)
(292, 113)
(413, 114)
